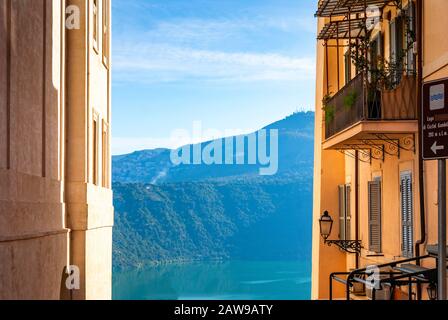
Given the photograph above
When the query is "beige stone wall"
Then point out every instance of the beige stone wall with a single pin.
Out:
(89, 200)
(33, 237)
(51, 214)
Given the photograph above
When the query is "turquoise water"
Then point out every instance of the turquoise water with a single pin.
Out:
(239, 280)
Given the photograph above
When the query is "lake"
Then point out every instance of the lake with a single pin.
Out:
(233, 280)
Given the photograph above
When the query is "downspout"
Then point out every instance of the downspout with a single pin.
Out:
(357, 203)
(421, 173)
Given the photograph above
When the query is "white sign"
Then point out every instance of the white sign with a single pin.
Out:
(437, 97)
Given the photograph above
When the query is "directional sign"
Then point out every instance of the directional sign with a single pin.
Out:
(435, 120)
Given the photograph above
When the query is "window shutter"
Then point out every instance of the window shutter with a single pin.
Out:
(399, 47)
(380, 45)
(409, 40)
(348, 66)
(396, 47)
(393, 41)
(407, 229)
(348, 215)
(342, 212)
(375, 216)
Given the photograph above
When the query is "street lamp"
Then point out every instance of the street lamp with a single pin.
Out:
(432, 291)
(326, 224)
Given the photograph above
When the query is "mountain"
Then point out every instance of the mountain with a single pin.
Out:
(170, 213)
(296, 148)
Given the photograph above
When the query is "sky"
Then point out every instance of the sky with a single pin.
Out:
(221, 65)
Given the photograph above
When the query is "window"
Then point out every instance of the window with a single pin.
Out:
(344, 212)
(106, 31)
(95, 149)
(407, 215)
(105, 155)
(374, 191)
(95, 24)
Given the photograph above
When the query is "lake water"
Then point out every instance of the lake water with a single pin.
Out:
(234, 280)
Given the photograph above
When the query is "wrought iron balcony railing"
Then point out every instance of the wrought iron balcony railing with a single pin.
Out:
(355, 102)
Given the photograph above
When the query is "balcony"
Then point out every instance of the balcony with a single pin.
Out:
(354, 104)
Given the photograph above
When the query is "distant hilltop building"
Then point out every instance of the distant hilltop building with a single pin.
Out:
(373, 59)
(56, 212)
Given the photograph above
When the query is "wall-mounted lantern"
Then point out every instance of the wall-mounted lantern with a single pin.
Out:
(326, 224)
(432, 291)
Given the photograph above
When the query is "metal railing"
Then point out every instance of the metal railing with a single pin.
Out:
(355, 102)
(392, 278)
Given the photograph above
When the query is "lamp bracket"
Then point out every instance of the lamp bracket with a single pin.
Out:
(349, 246)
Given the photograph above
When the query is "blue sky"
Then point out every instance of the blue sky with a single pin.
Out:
(231, 64)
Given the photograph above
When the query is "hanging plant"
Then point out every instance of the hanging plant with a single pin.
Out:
(384, 74)
(329, 113)
(350, 100)
(329, 110)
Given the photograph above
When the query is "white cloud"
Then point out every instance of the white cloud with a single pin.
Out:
(164, 63)
(203, 31)
(197, 49)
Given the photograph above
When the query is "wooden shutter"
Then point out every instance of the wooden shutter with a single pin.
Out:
(348, 66)
(407, 215)
(341, 212)
(348, 215)
(393, 41)
(396, 48)
(375, 216)
(380, 48)
(344, 212)
(410, 30)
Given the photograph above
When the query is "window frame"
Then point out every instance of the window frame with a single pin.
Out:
(106, 32)
(105, 155)
(95, 148)
(95, 26)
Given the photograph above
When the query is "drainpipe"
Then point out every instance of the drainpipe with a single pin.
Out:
(422, 239)
(357, 204)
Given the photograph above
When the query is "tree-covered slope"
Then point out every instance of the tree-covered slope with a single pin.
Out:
(199, 220)
(169, 213)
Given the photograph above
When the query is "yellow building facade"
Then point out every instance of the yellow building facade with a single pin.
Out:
(56, 212)
(372, 59)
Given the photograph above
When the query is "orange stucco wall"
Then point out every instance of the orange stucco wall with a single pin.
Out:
(332, 168)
